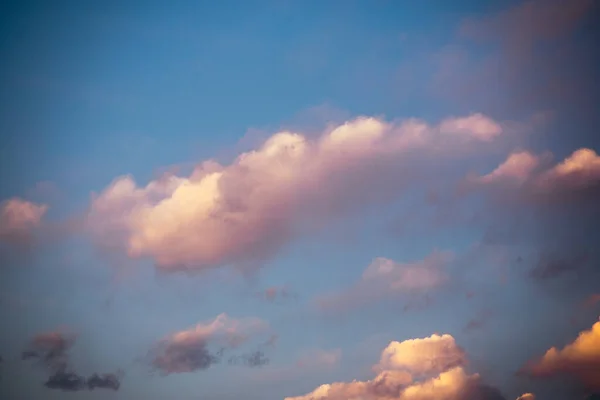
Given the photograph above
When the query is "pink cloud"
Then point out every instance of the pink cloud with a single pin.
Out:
(577, 172)
(244, 212)
(579, 359)
(385, 277)
(475, 125)
(18, 218)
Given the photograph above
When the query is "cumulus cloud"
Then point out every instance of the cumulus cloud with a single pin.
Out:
(419, 357)
(190, 350)
(416, 369)
(579, 359)
(244, 212)
(384, 277)
(18, 218)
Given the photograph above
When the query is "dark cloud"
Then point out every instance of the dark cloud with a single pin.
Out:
(176, 357)
(67, 381)
(104, 381)
(254, 359)
(72, 382)
(51, 349)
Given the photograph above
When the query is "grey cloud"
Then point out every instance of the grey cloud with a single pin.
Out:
(173, 357)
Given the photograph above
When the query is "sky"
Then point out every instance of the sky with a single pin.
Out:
(301, 200)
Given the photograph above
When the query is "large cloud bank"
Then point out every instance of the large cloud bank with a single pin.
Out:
(244, 212)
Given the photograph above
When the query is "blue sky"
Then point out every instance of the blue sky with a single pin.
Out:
(93, 93)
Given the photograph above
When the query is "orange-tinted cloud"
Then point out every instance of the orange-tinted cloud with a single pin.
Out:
(243, 212)
(579, 359)
(18, 218)
(526, 396)
(417, 369)
(385, 277)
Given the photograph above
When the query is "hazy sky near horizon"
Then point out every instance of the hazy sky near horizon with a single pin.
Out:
(250, 199)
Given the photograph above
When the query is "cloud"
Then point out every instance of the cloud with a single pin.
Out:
(420, 357)
(255, 359)
(579, 171)
(416, 369)
(72, 382)
(385, 277)
(579, 359)
(50, 349)
(18, 218)
(526, 396)
(67, 381)
(104, 381)
(246, 211)
(188, 350)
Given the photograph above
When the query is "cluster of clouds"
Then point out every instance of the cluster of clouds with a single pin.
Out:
(435, 367)
(51, 351)
(416, 369)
